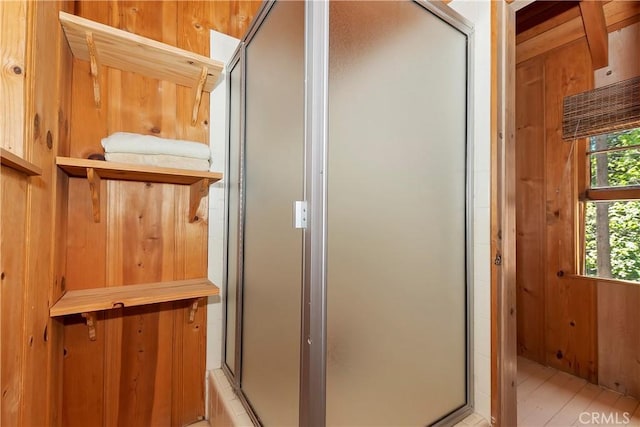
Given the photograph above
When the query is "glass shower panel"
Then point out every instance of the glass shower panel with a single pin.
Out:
(233, 209)
(396, 257)
(274, 160)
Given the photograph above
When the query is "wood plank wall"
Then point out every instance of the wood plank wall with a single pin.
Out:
(618, 304)
(37, 72)
(569, 323)
(147, 365)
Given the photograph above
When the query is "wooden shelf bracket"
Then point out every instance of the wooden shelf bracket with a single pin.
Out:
(199, 88)
(95, 67)
(90, 317)
(193, 309)
(94, 188)
(95, 170)
(197, 191)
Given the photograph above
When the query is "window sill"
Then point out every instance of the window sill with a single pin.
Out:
(584, 278)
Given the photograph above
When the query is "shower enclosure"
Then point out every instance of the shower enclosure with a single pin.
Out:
(348, 222)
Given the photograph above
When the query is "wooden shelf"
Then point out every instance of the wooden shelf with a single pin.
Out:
(97, 299)
(94, 170)
(132, 172)
(18, 163)
(104, 45)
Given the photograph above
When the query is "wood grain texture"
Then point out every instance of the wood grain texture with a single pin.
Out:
(42, 349)
(145, 235)
(530, 208)
(503, 216)
(623, 64)
(615, 12)
(131, 172)
(17, 163)
(619, 337)
(96, 299)
(559, 316)
(56, 327)
(595, 29)
(571, 340)
(13, 200)
(548, 24)
(130, 52)
(618, 314)
(13, 23)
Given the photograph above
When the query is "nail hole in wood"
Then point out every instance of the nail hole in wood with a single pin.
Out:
(559, 354)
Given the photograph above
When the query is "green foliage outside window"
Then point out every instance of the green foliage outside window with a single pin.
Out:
(623, 248)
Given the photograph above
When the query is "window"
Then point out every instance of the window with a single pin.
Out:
(611, 206)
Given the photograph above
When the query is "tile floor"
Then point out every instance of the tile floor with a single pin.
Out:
(547, 397)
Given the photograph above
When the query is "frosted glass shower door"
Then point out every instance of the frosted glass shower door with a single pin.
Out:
(273, 181)
(396, 209)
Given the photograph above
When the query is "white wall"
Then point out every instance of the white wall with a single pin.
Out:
(222, 47)
(479, 13)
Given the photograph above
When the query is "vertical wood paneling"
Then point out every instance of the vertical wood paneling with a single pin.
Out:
(56, 332)
(150, 359)
(619, 337)
(503, 216)
(84, 360)
(570, 306)
(13, 25)
(85, 268)
(34, 70)
(557, 314)
(618, 314)
(12, 248)
(530, 209)
(42, 143)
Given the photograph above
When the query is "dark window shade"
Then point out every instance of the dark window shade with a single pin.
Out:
(602, 110)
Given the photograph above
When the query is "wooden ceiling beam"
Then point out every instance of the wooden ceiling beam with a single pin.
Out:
(595, 28)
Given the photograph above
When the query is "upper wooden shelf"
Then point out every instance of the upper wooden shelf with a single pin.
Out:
(96, 299)
(18, 163)
(104, 45)
(132, 172)
(130, 52)
(95, 170)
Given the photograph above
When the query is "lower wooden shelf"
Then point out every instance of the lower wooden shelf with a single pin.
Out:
(16, 162)
(97, 299)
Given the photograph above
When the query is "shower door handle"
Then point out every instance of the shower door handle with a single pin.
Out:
(300, 214)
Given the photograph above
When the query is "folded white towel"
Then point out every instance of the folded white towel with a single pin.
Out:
(161, 160)
(125, 142)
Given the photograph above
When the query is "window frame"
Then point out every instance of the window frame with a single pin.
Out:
(601, 194)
